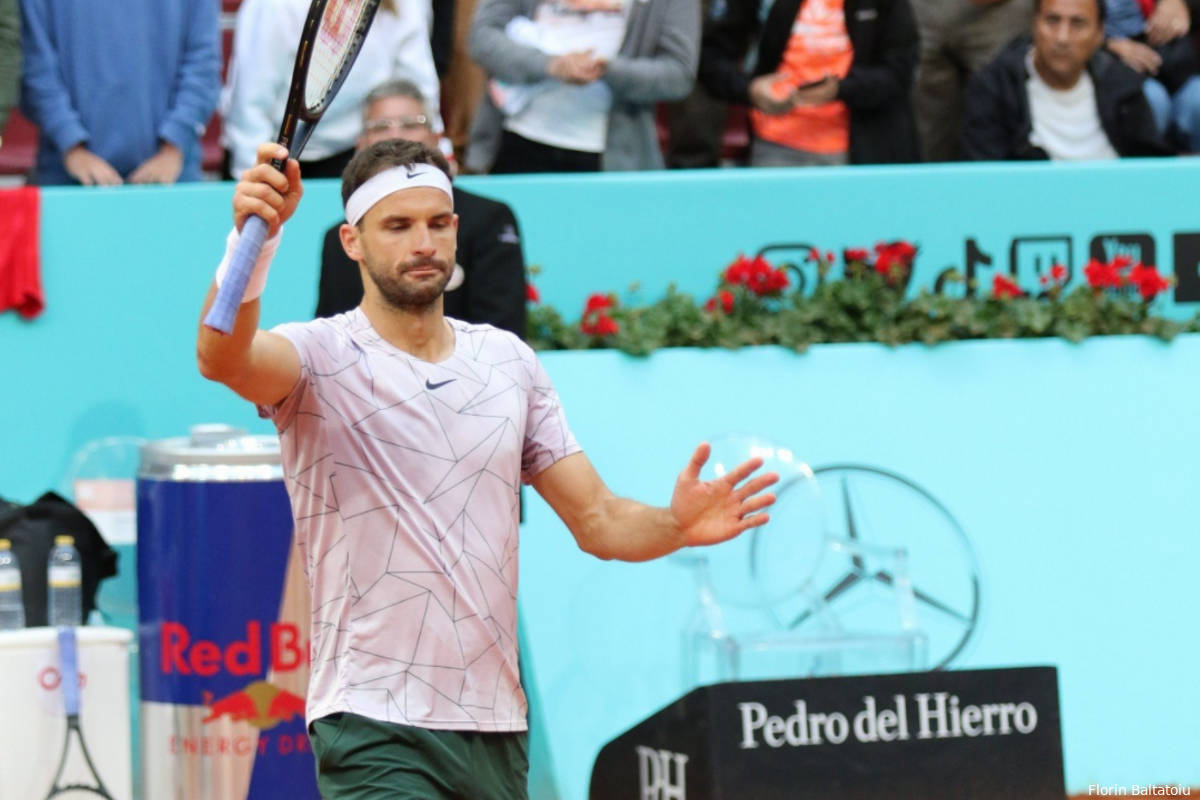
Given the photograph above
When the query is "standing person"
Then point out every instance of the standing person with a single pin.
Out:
(264, 50)
(831, 80)
(575, 84)
(405, 436)
(10, 57)
(958, 38)
(119, 93)
(488, 284)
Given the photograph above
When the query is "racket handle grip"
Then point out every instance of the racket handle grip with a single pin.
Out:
(223, 312)
(69, 660)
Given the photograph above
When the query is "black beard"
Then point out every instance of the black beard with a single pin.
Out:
(403, 297)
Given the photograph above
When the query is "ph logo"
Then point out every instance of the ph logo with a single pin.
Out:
(662, 774)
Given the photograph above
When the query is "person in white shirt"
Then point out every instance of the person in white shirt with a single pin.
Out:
(1059, 96)
(575, 84)
(264, 50)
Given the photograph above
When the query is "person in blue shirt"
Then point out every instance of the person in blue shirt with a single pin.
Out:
(120, 91)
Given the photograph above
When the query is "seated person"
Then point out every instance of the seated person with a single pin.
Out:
(831, 83)
(1061, 97)
(488, 284)
(1155, 39)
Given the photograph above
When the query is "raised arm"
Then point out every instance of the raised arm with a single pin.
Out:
(701, 512)
(259, 365)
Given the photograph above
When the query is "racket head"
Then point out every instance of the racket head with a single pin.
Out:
(333, 33)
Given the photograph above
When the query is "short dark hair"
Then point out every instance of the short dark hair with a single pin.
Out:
(369, 162)
(1101, 10)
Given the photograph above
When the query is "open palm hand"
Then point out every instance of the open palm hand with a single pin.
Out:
(710, 512)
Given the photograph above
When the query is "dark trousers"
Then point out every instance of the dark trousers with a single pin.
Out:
(518, 155)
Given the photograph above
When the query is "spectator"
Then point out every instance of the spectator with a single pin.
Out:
(462, 85)
(119, 94)
(264, 49)
(489, 277)
(696, 124)
(828, 86)
(1155, 39)
(575, 83)
(10, 57)
(1062, 98)
(958, 38)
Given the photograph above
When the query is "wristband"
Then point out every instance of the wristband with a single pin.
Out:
(258, 275)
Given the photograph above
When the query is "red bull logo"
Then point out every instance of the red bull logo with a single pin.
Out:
(264, 705)
(179, 653)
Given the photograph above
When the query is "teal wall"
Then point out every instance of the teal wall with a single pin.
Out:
(1069, 466)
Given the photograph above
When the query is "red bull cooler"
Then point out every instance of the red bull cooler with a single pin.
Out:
(223, 622)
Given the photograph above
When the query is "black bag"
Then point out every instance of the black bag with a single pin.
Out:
(32, 529)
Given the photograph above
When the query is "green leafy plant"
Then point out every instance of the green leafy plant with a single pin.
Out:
(868, 303)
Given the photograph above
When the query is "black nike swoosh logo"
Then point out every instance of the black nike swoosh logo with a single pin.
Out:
(429, 385)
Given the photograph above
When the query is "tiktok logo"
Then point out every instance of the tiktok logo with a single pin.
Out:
(662, 774)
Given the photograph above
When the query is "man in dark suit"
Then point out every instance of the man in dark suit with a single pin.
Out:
(489, 279)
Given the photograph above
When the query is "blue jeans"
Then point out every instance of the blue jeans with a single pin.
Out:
(1180, 111)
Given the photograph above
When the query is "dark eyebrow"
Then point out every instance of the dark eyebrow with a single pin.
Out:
(390, 218)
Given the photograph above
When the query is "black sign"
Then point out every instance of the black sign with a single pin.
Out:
(959, 735)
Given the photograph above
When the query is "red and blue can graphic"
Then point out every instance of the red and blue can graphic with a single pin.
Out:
(223, 634)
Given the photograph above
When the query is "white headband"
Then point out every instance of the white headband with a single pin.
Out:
(396, 179)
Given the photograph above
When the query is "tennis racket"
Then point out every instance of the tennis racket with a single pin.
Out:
(70, 688)
(333, 34)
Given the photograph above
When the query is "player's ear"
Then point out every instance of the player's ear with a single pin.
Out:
(349, 236)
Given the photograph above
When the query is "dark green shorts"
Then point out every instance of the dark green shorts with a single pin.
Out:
(364, 759)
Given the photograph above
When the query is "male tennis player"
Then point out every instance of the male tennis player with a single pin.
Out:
(405, 437)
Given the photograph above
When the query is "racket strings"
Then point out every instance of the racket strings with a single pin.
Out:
(334, 42)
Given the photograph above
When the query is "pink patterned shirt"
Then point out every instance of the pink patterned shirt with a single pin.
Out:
(404, 480)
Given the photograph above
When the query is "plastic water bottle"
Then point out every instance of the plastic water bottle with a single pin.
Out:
(12, 607)
(65, 582)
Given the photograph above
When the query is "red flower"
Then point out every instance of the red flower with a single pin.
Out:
(1104, 276)
(814, 254)
(1147, 280)
(1058, 273)
(601, 325)
(893, 258)
(531, 293)
(599, 302)
(884, 261)
(1121, 262)
(1005, 287)
(904, 250)
(596, 321)
(723, 300)
(757, 275)
(829, 257)
(856, 254)
(737, 272)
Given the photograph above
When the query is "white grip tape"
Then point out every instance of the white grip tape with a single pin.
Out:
(258, 276)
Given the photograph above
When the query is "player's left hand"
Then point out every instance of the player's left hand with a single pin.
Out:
(162, 167)
(710, 512)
